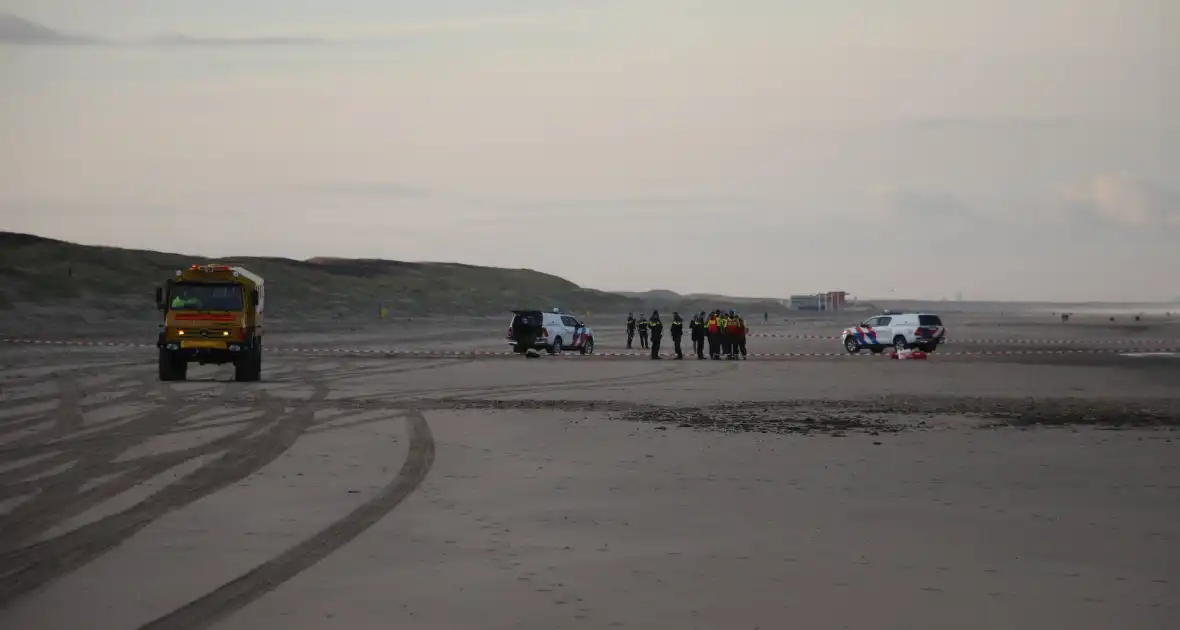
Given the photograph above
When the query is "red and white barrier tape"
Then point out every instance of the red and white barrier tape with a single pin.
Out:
(636, 355)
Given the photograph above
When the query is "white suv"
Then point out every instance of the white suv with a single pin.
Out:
(900, 331)
(554, 332)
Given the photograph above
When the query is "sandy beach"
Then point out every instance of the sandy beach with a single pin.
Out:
(1024, 476)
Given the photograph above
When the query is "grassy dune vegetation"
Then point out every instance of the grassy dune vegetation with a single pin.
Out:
(41, 271)
(38, 273)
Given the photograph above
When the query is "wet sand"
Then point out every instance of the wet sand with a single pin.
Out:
(356, 487)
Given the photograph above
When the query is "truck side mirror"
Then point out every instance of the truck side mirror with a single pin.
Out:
(160, 298)
(253, 298)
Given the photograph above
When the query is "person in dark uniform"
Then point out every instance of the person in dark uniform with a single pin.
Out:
(630, 329)
(643, 323)
(742, 329)
(697, 330)
(657, 332)
(677, 331)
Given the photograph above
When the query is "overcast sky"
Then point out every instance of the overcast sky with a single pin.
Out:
(999, 148)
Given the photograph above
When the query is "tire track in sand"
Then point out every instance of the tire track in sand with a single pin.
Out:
(661, 374)
(31, 567)
(60, 496)
(232, 596)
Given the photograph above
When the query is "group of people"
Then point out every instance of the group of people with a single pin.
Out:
(724, 331)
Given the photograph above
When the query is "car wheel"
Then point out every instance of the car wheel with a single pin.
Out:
(588, 347)
(928, 348)
(556, 348)
(851, 345)
(899, 343)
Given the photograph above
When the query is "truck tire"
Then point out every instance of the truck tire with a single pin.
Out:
(248, 367)
(172, 366)
(556, 348)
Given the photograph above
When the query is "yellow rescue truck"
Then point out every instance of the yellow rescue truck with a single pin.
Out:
(212, 314)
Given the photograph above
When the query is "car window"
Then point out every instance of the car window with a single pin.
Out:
(883, 321)
(929, 320)
(528, 319)
(569, 321)
(870, 322)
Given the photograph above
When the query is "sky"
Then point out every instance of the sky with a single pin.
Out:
(921, 148)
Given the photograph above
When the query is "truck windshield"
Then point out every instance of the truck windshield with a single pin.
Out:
(192, 296)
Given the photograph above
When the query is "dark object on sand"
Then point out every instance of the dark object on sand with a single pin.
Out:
(1065, 317)
(526, 328)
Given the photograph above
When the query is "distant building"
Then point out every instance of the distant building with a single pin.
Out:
(807, 302)
(832, 301)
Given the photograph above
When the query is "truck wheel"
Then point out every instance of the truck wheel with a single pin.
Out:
(899, 343)
(588, 347)
(172, 366)
(248, 367)
(556, 348)
(256, 363)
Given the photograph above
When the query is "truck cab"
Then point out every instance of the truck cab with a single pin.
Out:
(212, 315)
